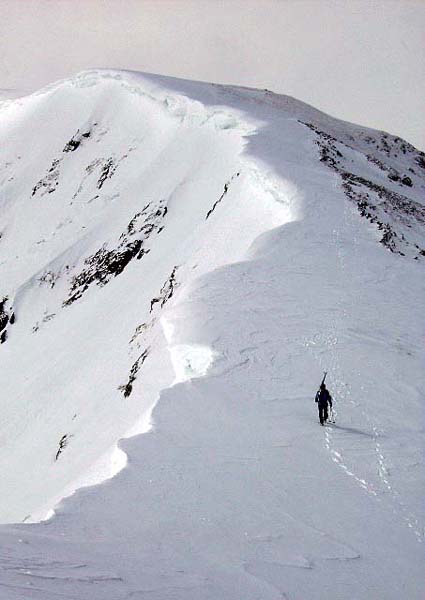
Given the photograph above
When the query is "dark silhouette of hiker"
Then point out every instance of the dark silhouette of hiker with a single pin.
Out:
(323, 398)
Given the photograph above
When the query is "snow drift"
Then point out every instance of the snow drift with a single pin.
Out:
(211, 249)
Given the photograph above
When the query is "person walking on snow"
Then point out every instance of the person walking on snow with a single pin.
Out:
(323, 398)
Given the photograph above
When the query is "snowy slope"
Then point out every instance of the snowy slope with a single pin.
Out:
(215, 248)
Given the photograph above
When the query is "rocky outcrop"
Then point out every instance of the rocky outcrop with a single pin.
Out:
(400, 218)
(107, 263)
(7, 318)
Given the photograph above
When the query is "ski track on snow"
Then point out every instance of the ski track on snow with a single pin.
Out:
(342, 394)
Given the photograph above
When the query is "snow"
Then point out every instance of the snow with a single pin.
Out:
(256, 269)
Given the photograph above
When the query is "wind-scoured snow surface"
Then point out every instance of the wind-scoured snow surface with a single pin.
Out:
(206, 252)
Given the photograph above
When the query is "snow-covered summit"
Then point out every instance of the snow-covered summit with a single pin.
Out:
(209, 250)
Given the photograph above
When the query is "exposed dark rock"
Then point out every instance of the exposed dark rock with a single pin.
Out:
(421, 161)
(142, 221)
(140, 330)
(76, 141)
(107, 263)
(71, 145)
(7, 317)
(167, 290)
(226, 188)
(4, 317)
(50, 181)
(127, 388)
(108, 170)
(45, 319)
(49, 278)
(63, 442)
(103, 265)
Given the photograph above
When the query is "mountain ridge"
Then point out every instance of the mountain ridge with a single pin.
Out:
(190, 247)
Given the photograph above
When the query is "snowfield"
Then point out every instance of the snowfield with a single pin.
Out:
(179, 263)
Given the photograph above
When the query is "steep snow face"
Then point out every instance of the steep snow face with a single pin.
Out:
(210, 249)
(111, 198)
